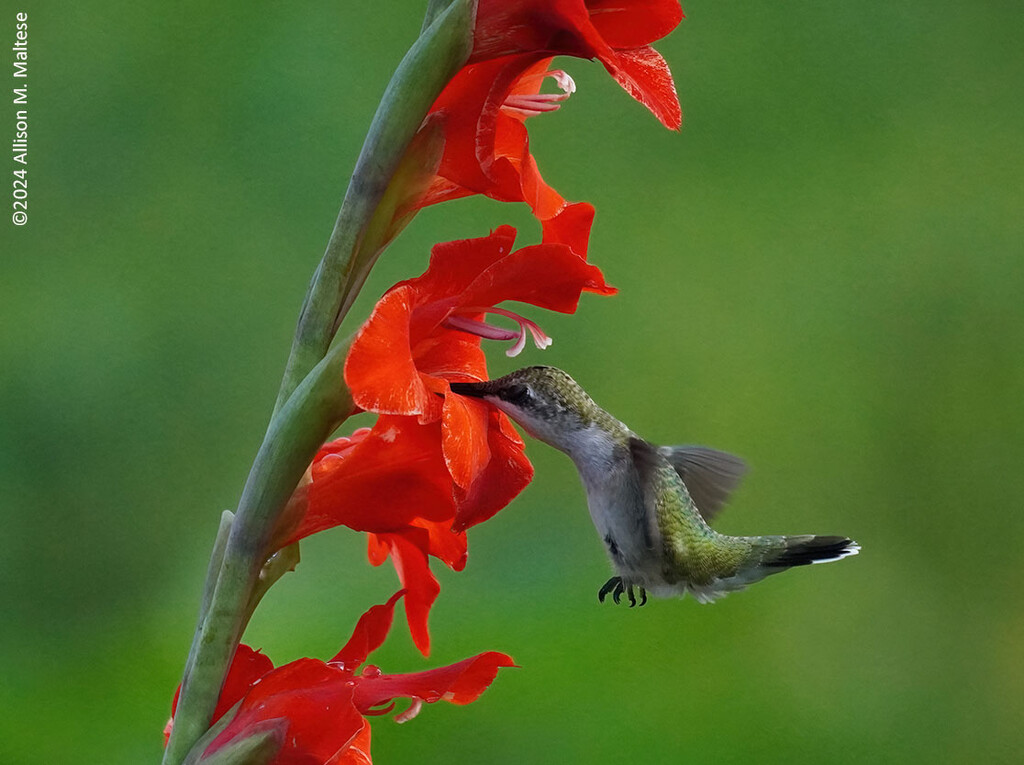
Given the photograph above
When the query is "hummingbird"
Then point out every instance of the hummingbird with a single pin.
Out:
(651, 505)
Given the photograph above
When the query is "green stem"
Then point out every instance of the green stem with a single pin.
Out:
(313, 399)
(259, 746)
(434, 8)
(277, 565)
(227, 518)
(216, 558)
(433, 60)
(318, 406)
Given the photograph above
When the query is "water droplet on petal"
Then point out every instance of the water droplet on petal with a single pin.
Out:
(371, 670)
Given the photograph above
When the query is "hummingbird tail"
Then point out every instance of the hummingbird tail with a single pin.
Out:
(805, 549)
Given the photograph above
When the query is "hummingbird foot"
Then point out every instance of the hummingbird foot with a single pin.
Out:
(617, 588)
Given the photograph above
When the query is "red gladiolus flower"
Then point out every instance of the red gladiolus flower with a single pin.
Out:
(435, 463)
(486, 104)
(383, 479)
(617, 33)
(425, 332)
(487, 147)
(321, 707)
(393, 481)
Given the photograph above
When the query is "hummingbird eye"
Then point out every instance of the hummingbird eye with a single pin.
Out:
(518, 395)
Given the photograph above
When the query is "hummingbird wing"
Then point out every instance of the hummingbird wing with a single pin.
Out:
(710, 475)
(686, 535)
(649, 470)
(664, 500)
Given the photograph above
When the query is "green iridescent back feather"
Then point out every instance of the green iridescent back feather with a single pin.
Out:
(694, 552)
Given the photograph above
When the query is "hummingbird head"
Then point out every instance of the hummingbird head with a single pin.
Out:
(545, 401)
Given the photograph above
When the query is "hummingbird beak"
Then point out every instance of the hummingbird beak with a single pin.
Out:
(476, 390)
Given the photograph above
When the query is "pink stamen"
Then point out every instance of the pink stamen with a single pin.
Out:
(480, 328)
(536, 104)
(530, 105)
(490, 332)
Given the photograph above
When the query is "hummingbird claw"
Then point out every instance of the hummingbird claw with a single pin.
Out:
(619, 589)
(608, 586)
(632, 595)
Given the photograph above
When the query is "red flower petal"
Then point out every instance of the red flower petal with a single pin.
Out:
(505, 27)
(478, 273)
(632, 23)
(377, 549)
(544, 201)
(391, 477)
(571, 227)
(645, 76)
(379, 369)
(507, 474)
(247, 666)
(409, 555)
(547, 275)
(609, 30)
(454, 267)
(470, 104)
(369, 634)
(358, 751)
(460, 683)
(402, 347)
(464, 438)
(311, 705)
(450, 355)
(444, 543)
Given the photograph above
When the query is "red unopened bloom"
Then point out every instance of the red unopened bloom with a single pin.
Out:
(320, 708)
(425, 332)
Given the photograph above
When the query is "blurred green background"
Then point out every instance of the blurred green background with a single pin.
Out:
(822, 272)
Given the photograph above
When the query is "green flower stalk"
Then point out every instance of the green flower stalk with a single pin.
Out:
(319, 405)
(442, 48)
(313, 399)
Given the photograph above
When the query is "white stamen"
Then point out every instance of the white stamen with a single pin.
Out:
(516, 349)
(411, 712)
(540, 338)
(564, 81)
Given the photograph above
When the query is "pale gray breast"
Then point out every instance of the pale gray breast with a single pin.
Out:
(626, 526)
